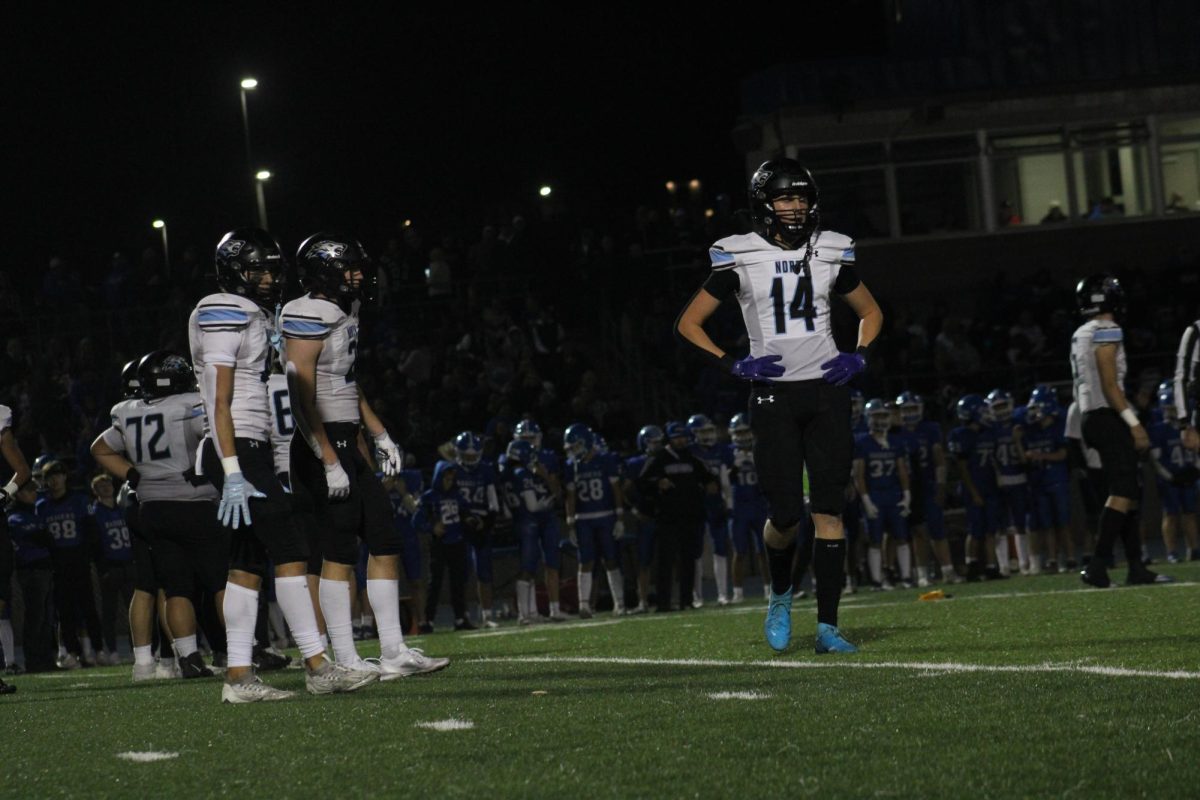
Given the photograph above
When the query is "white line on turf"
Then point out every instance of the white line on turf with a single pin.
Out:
(147, 756)
(53, 676)
(447, 725)
(738, 696)
(919, 666)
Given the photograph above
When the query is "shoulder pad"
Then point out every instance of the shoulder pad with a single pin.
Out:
(225, 312)
(307, 318)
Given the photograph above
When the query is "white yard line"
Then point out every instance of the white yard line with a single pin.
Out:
(930, 667)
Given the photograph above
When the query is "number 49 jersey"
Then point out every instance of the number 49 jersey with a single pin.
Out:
(785, 296)
(160, 437)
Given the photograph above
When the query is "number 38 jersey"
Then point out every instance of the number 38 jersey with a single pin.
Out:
(230, 331)
(324, 320)
(785, 295)
(160, 437)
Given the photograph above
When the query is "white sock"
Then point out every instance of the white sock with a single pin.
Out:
(585, 589)
(721, 572)
(616, 585)
(241, 612)
(296, 602)
(385, 599)
(1035, 563)
(531, 598)
(7, 643)
(523, 599)
(85, 645)
(875, 564)
(922, 573)
(904, 556)
(947, 570)
(1023, 550)
(325, 641)
(1002, 553)
(185, 645)
(698, 584)
(554, 609)
(142, 656)
(335, 605)
(485, 613)
(739, 593)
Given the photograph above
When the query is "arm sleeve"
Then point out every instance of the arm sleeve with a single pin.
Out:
(722, 284)
(847, 279)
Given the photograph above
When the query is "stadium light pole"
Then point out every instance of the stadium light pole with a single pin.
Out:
(161, 226)
(261, 177)
(248, 85)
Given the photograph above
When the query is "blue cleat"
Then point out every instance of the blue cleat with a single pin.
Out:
(830, 640)
(778, 626)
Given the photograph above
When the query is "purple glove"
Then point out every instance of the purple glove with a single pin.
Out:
(840, 369)
(763, 368)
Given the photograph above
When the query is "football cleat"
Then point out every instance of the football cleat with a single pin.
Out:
(166, 669)
(7, 688)
(251, 689)
(267, 659)
(464, 624)
(585, 612)
(412, 661)
(332, 678)
(144, 672)
(69, 661)
(557, 616)
(1142, 576)
(490, 624)
(193, 666)
(830, 640)
(778, 625)
(1096, 575)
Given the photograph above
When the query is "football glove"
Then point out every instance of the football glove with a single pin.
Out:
(840, 369)
(387, 455)
(235, 500)
(336, 480)
(619, 530)
(762, 368)
(906, 504)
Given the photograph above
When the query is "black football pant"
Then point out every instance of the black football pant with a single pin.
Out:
(453, 558)
(675, 549)
(37, 584)
(74, 600)
(116, 590)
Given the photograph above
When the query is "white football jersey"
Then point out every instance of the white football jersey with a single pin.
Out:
(6, 420)
(787, 311)
(310, 318)
(229, 330)
(160, 437)
(1085, 340)
(283, 424)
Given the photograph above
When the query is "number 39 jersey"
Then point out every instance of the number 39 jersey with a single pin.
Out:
(324, 320)
(784, 296)
(159, 437)
(230, 331)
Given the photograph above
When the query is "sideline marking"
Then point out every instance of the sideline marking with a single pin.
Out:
(738, 696)
(147, 757)
(447, 725)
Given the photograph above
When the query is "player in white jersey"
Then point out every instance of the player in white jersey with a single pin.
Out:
(1110, 426)
(151, 445)
(230, 334)
(21, 474)
(1187, 385)
(283, 425)
(332, 482)
(784, 276)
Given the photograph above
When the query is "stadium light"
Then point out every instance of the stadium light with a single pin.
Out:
(671, 187)
(249, 83)
(545, 191)
(160, 225)
(694, 185)
(260, 195)
(263, 175)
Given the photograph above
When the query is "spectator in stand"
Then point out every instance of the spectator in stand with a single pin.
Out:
(953, 353)
(1054, 214)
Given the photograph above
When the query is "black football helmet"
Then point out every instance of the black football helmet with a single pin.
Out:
(244, 251)
(776, 178)
(162, 373)
(323, 261)
(130, 388)
(1099, 294)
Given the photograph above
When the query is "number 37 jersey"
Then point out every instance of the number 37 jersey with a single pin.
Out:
(784, 296)
(159, 437)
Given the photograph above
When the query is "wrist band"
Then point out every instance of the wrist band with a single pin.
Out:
(1130, 418)
(230, 465)
(571, 520)
(10, 489)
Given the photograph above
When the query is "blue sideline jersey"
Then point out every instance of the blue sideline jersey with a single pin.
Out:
(65, 519)
(591, 480)
(977, 448)
(115, 542)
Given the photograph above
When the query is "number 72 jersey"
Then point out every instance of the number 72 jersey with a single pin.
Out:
(160, 437)
(785, 296)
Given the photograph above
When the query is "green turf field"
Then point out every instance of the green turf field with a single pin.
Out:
(1031, 687)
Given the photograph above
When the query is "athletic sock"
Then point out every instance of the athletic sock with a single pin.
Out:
(241, 609)
(523, 599)
(875, 564)
(1131, 538)
(616, 585)
(829, 558)
(384, 594)
(555, 609)
(904, 556)
(185, 645)
(7, 643)
(721, 573)
(739, 594)
(1111, 524)
(296, 602)
(531, 603)
(585, 588)
(1002, 553)
(335, 605)
(779, 563)
(1022, 550)
(698, 581)
(922, 573)
(143, 656)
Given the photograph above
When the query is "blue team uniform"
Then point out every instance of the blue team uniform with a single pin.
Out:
(1010, 477)
(1049, 481)
(881, 474)
(477, 485)
(446, 507)
(410, 555)
(591, 480)
(548, 524)
(977, 448)
(645, 530)
(920, 443)
(747, 503)
(30, 540)
(1166, 443)
(66, 520)
(531, 503)
(115, 544)
(714, 507)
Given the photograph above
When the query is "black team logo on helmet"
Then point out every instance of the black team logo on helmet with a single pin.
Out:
(163, 373)
(1100, 294)
(243, 257)
(323, 261)
(784, 177)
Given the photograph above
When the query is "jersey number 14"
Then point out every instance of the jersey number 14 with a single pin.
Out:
(801, 305)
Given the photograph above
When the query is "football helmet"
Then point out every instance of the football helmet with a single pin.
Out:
(970, 408)
(129, 380)
(1000, 405)
(521, 452)
(740, 432)
(530, 431)
(650, 439)
(242, 256)
(1166, 400)
(163, 373)
(1042, 393)
(1099, 294)
(912, 407)
(857, 401)
(678, 430)
(324, 259)
(578, 440)
(879, 416)
(468, 448)
(599, 443)
(702, 429)
(782, 177)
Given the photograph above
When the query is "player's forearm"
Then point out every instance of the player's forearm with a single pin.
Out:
(114, 464)
(307, 399)
(370, 419)
(869, 326)
(15, 458)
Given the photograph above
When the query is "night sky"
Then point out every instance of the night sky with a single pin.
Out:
(367, 119)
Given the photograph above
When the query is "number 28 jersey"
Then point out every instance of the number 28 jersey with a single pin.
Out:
(785, 297)
(160, 437)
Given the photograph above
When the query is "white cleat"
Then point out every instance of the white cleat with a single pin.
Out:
(167, 669)
(923, 583)
(557, 616)
(722, 600)
(620, 611)
(490, 624)
(252, 690)
(412, 661)
(144, 672)
(332, 678)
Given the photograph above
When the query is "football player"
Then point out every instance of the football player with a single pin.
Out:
(230, 334)
(974, 448)
(477, 484)
(14, 460)
(1011, 481)
(706, 448)
(649, 442)
(114, 562)
(748, 509)
(331, 479)
(881, 477)
(545, 470)
(1186, 385)
(443, 512)
(1044, 441)
(927, 463)
(529, 500)
(1176, 470)
(33, 546)
(784, 275)
(1110, 426)
(595, 507)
